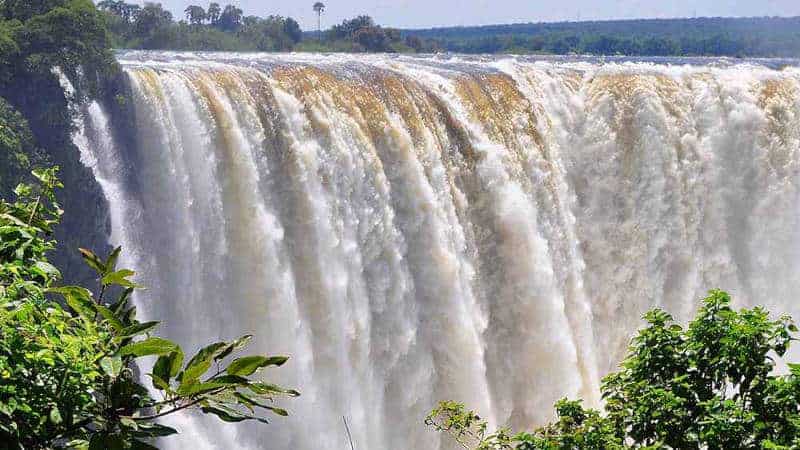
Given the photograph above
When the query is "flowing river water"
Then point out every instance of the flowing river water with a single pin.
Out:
(413, 229)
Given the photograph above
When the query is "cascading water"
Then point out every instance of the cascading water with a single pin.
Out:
(418, 229)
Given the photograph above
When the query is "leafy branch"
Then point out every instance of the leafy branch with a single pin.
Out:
(67, 366)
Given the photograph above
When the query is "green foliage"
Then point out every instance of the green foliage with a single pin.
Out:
(16, 146)
(38, 39)
(151, 18)
(363, 34)
(39, 35)
(711, 385)
(575, 428)
(67, 367)
(217, 28)
(230, 29)
(9, 49)
(706, 36)
(196, 15)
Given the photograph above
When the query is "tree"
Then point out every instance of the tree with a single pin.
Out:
(414, 42)
(372, 39)
(67, 34)
(230, 19)
(319, 8)
(292, 29)
(213, 13)
(112, 6)
(350, 27)
(130, 12)
(152, 17)
(67, 357)
(196, 15)
(126, 12)
(711, 385)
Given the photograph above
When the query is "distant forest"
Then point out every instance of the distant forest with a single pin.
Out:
(228, 28)
(706, 36)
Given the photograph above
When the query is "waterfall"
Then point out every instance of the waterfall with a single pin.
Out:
(411, 229)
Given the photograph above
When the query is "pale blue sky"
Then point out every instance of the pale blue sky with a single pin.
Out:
(429, 13)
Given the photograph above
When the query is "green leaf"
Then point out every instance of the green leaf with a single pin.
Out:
(79, 299)
(224, 413)
(78, 444)
(110, 317)
(232, 380)
(250, 401)
(127, 422)
(268, 389)
(159, 383)
(41, 174)
(149, 346)
(47, 269)
(120, 278)
(148, 429)
(130, 315)
(55, 416)
(249, 364)
(201, 362)
(111, 261)
(93, 261)
(111, 365)
(278, 411)
(23, 190)
(235, 345)
(168, 366)
(137, 329)
(120, 304)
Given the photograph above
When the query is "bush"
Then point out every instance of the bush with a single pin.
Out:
(67, 356)
(711, 386)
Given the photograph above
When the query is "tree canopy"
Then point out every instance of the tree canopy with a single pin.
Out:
(230, 28)
(213, 28)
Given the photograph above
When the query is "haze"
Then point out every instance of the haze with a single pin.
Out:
(433, 13)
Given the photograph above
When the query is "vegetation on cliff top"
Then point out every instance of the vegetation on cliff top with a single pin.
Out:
(230, 28)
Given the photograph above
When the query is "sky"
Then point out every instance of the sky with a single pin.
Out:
(433, 13)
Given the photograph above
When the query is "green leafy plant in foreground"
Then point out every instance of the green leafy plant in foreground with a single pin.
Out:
(68, 357)
(712, 385)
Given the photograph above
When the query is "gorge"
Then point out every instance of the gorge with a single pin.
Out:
(412, 229)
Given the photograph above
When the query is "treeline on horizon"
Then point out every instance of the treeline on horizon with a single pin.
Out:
(703, 36)
(228, 28)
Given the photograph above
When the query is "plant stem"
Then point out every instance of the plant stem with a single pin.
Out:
(178, 408)
(349, 436)
(35, 207)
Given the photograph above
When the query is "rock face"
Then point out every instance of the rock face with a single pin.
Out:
(418, 229)
(46, 106)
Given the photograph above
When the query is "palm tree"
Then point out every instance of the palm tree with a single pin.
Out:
(319, 7)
